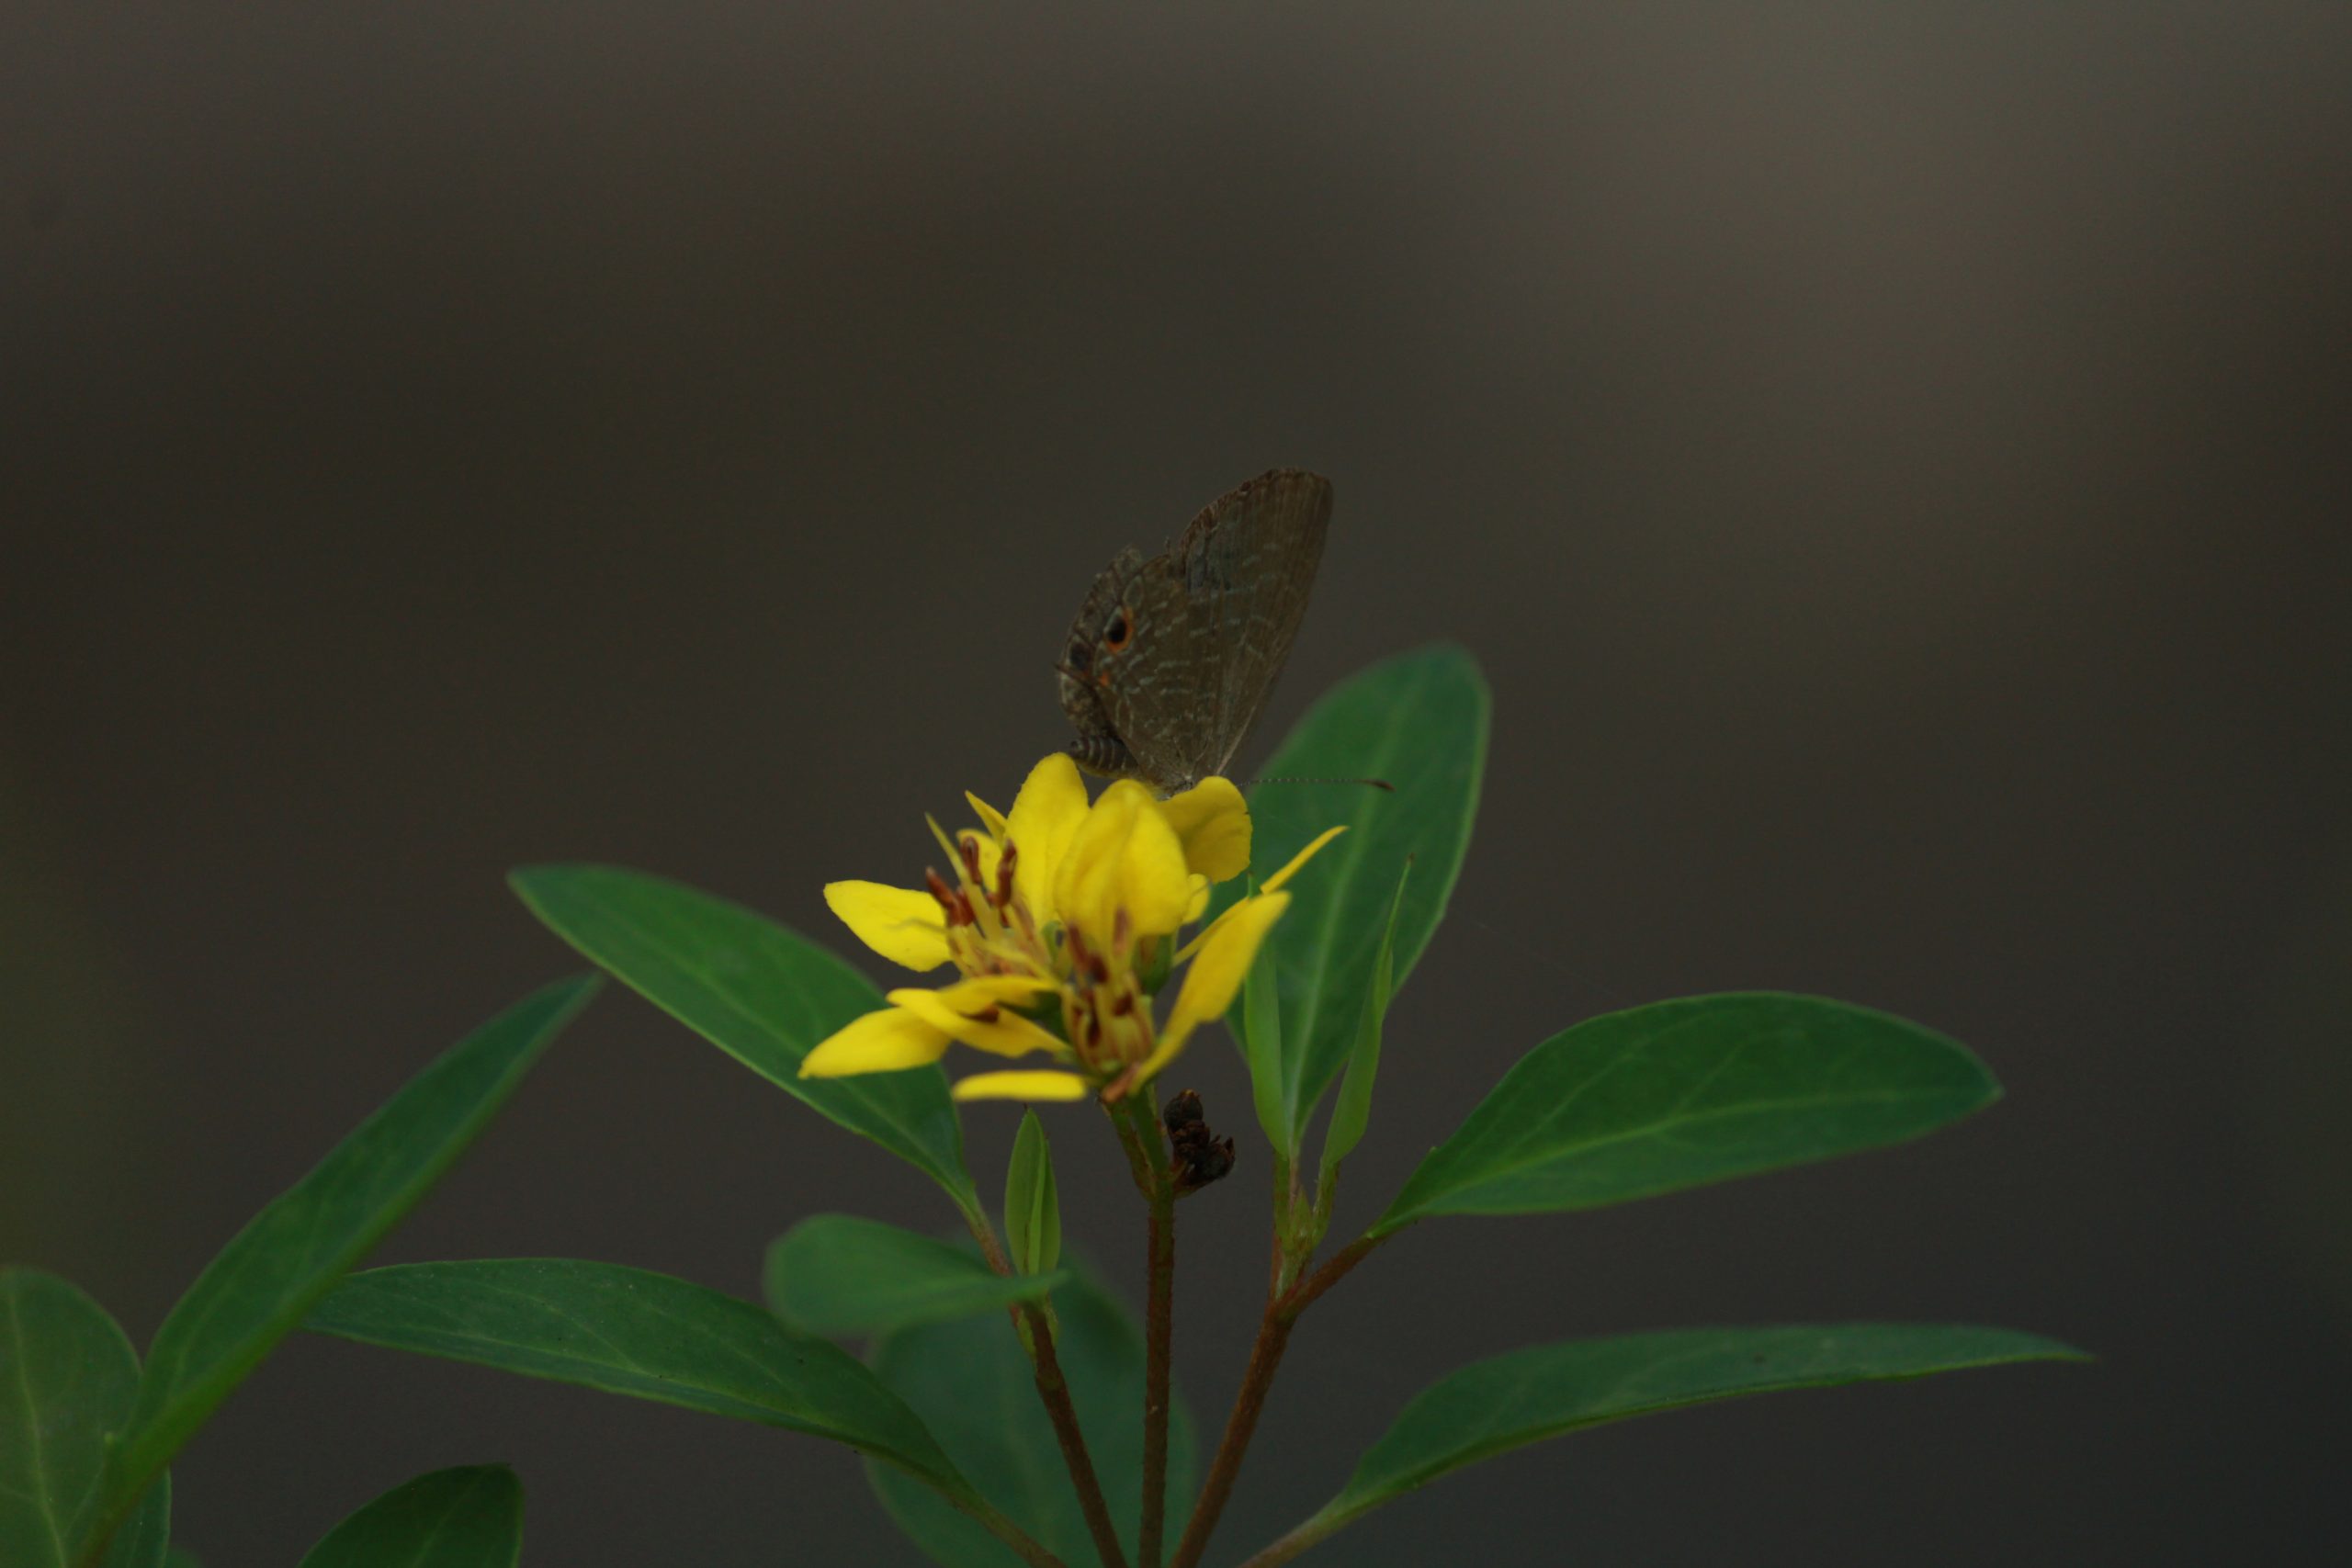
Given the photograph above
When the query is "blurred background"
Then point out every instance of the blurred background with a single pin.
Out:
(1896, 464)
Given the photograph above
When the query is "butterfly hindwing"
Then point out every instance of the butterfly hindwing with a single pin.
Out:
(1171, 658)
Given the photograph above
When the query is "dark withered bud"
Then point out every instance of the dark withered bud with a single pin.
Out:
(1183, 1112)
(1201, 1155)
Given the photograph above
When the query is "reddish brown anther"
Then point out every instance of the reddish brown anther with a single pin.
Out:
(968, 847)
(958, 908)
(1005, 873)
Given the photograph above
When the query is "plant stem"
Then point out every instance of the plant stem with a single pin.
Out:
(1158, 1331)
(1312, 1532)
(1054, 1390)
(1148, 1157)
(1027, 1546)
(1265, 1357)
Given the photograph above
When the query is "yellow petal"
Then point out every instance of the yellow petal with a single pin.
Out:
(1213, 821)
(903, 926)
(1155, 884)
(881, 1042)
(1197, 904)
(974, 1013)
(990, 817)
(1045, 815)
(1216, 973)
(1274, 884)
(980, 990)
(1125, 857)
(1084, 881)
(1021, 1086)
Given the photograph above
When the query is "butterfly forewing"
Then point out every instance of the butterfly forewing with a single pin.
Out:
(1171, 659)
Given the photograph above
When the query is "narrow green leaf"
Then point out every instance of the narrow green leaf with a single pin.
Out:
(972, 1385)
(468, 1517)
(838, 1274)
(1675, 1094)
(1032, 1206)
(1261, 1048)
(1351, 1112)
(67, 1379)
(764, 995)
(627, 1331)
(1496, 1405)
(145, 1538)
(1420, 722)
(257, 1291)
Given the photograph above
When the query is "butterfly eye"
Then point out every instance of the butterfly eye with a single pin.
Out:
(1115, 635)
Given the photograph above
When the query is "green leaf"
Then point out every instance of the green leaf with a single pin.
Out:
(1675, 1094)
(764, 995)
(627, 1331)
(68, 1378)
(181, 1557)
(1032, 1206)
(468, 1517)
(1261, 1048)
(972, 1385)
(144, 1540)
(258, 1290)
(1496, 1405)
(1351, 1112)
(1420, 722)
(838, 1274)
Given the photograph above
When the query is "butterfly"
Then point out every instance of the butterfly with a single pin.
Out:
(1170, 658)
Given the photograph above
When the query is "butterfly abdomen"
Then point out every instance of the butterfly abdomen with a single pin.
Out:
(1104, 755)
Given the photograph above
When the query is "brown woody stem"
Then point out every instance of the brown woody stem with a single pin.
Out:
(1279, 1551)
(1147, 1156)
(1265, 1357)
(1054, 1390)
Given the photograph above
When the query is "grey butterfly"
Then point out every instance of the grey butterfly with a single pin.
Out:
(1171, 657)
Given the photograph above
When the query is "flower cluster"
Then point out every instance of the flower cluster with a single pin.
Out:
(1062, 920)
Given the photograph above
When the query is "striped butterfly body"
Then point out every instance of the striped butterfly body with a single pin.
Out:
(1171, 657)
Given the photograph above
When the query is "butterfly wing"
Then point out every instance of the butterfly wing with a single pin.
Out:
(1247, 565)
(1085, 668)
(1171, 658)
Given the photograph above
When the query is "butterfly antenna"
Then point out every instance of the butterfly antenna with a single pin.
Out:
(1376, 783)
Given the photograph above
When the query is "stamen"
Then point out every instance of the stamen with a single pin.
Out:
(967, 846)
(1005, 873)
(958, 908)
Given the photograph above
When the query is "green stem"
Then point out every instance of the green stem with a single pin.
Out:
(1026, 1545)
(1053, 1389)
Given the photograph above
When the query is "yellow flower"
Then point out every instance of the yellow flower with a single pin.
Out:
(1062, 920)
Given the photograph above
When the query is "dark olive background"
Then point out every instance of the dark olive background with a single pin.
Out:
(1892, 461)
